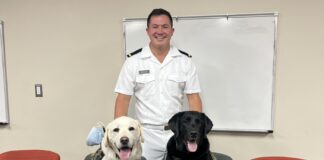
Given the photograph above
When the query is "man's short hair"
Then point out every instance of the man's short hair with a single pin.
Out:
(159, 12)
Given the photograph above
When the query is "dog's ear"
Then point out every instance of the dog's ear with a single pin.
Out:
(174, 123)
(208, 123)
(140, 130)
(106, 138)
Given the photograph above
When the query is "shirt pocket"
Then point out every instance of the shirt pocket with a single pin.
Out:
(144, 84)
(176, 84)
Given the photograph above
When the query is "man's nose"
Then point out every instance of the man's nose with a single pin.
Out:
(159, 30)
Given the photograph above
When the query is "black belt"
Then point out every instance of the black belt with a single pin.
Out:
(157, 127)
(167, 127)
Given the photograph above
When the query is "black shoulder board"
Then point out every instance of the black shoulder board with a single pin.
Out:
(185, 53)
(135, 52)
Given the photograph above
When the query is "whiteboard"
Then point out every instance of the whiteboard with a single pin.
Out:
(4, 116)
(235, 59)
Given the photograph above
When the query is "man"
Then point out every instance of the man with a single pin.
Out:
(158, 75)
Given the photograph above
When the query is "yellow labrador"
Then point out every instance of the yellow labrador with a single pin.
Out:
(122, 140)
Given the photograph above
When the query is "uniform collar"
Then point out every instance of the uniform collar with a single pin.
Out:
(174, 52)
(146, 52)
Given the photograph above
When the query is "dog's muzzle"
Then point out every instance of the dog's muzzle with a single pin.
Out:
(124, 141)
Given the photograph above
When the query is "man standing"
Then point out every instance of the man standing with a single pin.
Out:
(158, 76)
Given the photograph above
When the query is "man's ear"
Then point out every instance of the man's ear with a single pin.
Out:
(174, 123)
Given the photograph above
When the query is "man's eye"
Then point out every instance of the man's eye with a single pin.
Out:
(131, 128)
(165, 26)
(116, 130)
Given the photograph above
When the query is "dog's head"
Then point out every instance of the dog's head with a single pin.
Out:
(123, 138)
(190, 128)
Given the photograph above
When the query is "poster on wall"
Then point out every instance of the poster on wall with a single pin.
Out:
(4, 114)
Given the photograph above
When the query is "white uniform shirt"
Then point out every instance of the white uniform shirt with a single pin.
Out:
(158, 87)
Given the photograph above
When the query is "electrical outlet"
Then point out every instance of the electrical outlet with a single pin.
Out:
(38, 90)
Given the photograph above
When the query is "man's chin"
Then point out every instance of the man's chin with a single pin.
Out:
(160, 44)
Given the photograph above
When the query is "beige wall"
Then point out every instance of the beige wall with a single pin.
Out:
(75, 49)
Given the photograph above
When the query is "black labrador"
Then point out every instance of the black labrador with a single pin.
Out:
(189, 141)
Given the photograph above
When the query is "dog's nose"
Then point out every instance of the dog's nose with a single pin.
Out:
(193, 134)
(124, 140)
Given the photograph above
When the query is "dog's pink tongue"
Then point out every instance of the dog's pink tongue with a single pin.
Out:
(124, 154)
(192, 146)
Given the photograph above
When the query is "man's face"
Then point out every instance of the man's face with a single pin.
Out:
(160, 31)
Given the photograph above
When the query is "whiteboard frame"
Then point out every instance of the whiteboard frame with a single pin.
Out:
(274, 14)
(4, 116)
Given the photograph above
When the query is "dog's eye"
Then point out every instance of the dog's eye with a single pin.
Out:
(116, 130)
(131, 128)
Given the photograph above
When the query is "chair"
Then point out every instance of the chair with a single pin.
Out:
(90, 157)
(29, 155)
(276, 158)
(221, 156)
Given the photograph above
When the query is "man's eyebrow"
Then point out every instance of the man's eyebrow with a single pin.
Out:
(161, 24)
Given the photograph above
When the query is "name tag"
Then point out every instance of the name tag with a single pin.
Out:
(144, 71)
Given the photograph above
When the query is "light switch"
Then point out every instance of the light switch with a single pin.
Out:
(38, 90)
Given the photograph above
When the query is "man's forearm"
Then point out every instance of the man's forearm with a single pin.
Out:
(121, 105)
(195, 103)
